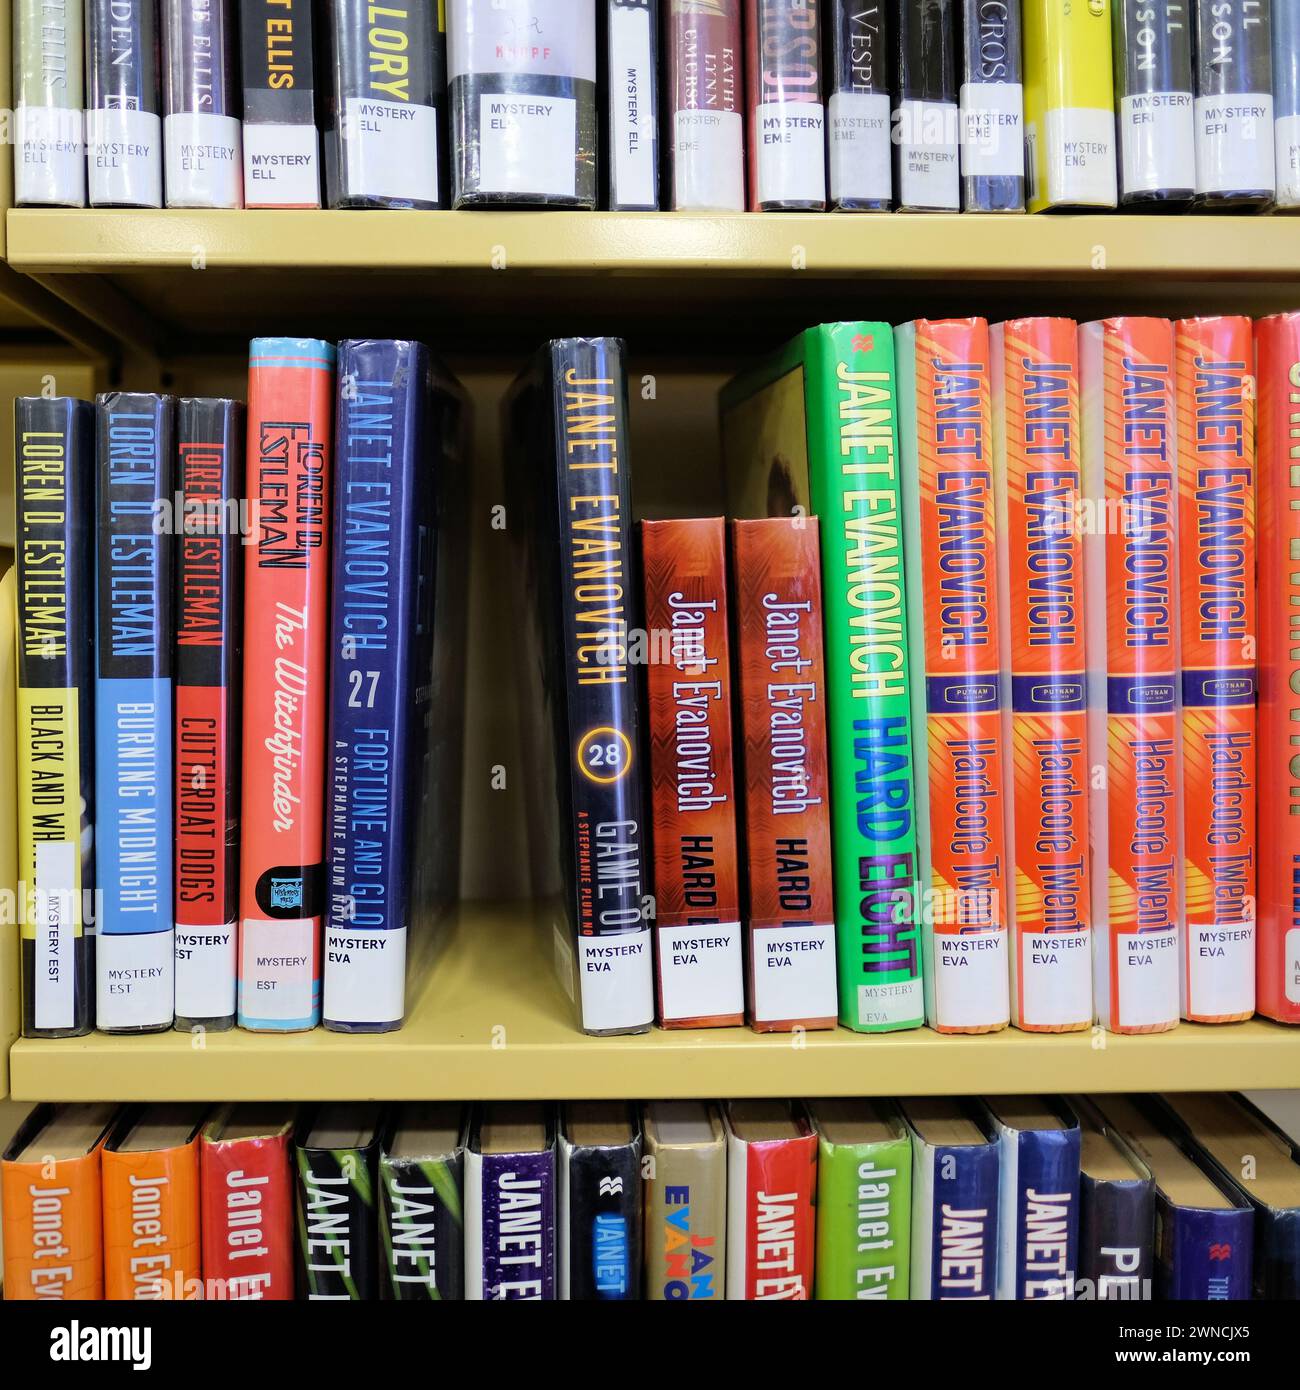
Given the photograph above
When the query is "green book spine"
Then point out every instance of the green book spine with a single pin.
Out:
(864, 1220)
(49, 55)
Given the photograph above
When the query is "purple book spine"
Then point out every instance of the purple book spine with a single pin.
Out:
(518, 1215)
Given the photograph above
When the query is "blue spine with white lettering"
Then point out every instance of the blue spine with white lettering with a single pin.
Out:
(381, 645)
(135, 969)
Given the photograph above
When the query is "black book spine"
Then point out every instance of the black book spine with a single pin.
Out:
(992, 107)
(1234, 103)
(123, 121)
(630, 53)
(202, 161)
(281, 144)
(859, 105)
(1116, 1238)
(787, 120)
(385, 96)
(603, 1242)
(423, 1228)
(1153, 100)
(926, 172)
(338, 1235)
(54, 452)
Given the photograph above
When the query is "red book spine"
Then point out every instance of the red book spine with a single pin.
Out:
(770, 1217)
(791, 937)
(286, 635)
(693, 794)
(246, 1201)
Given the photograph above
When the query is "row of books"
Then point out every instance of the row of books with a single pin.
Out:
(211, 613)
(776, 105)
(1185, 1197)
(1037, 554)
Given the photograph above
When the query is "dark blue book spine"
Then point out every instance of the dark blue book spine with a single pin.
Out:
(961, 1183)
(1203, 1254)
(1038, 1245)
(1116, 1238)
(380, 642)
(1286, 100)
(601, 1245)
(992, 107)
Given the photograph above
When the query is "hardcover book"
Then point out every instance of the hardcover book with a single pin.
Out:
(859, 106)
(1131, 638)
(944, 405)
(1216, 487)
(815, 431)
(49, 97)
(510, 1204)
(202, 150)
(1204, 1235)
(385, 92)
(286, 617)
(336, 1156)
(281, 142)
(771, 1189)
(123, 120)
(150, 1169)
(421, 1188)
(992, 101)
(1069, 105)
(864, 1200)
(692, 787)
(1116, 1214)
(703, 95)
(210, 436)
(246, 1203)
(787, 120)
(522, 77)
(135, 963)
(54, 555)
(1153, 101)
(780, 675)
(568, 479)
(1037, 484)
(927, 172)
(600, 1208)
(954, 1200)
(51, 1204)
(1235, 138)
(630, 56)
(1038, 1197)
(685, 1201)
(1286, 103)
(1277, 366)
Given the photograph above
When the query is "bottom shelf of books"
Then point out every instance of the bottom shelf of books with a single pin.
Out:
(492, 1021)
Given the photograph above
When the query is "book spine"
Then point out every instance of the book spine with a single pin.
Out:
(600, 1255)
(632, 62)
(386, 96)
(54, 556)
(510, 1226)
(523, 109)
(49, 96)
(1235, 138)
(1044, 699)
(782, 708)
(685, 1223)
(1116, 1233)
(246, 1205)
(860, 153)
(286, 600)
(422, 1227)
(945, 404)
(1069, 105)
(864, 1200)
(787, 120)
(281, 143)
(927, 173)
(210, 476)
(707, 128)
(152, 1196)
(1153, 101)
(693, 793)
(855, 481)
(1203, 1256)
(338, 1237)
(1286, 103)
(992, 107)
(1131, 636)
(1038, 1214)
(771, 1188)
(1277, 343)
(135, 961)
(53, 1225)
(382, 623)
(123, 124)
(606, 798)
(202, 160)
(954, 1221)
(1216, 490)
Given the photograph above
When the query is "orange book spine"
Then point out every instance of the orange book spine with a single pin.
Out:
(1216, 487)
(151, 1224)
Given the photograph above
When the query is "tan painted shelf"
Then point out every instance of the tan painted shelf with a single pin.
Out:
(493, 1023)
